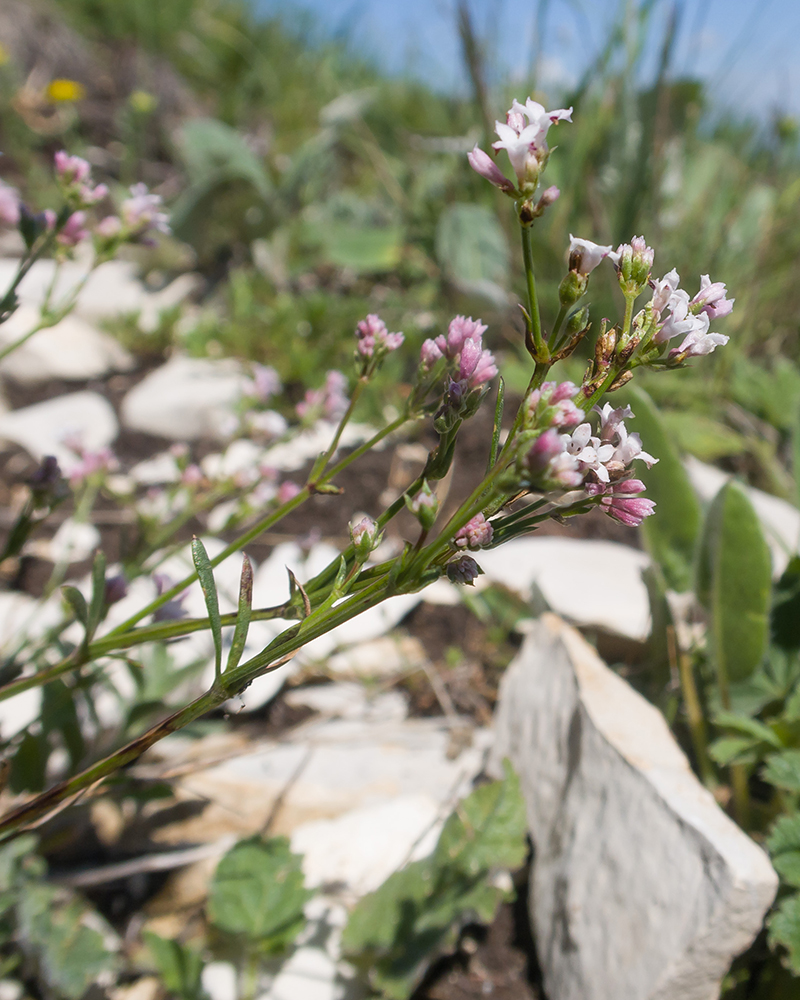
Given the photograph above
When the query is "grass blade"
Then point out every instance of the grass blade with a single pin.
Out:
(205, 575)
(498, 420)
(98, 600)
(243, 617)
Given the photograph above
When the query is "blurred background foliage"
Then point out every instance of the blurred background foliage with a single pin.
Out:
(308, 188)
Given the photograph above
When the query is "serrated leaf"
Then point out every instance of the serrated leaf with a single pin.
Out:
(671, 534)
(784, 929)
(734, 581)
(488, 829)
(243, 617)
(258, 891)
(783, 770)
(205, 575)
(71, 955)
(77, 603)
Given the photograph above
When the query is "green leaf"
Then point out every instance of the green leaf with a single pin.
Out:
(243, 617)
(363, 249)
(734, 582)
(784, 929)
(55, 925)
(748, 727)
(472, 251)
(785, 617)
(488, 830)
(702, 436)
(77, 603)
(787, 865)
(29, 764)
(257, 891)
(785, 835)
(671, 534)
(206, 577)
(59, 714)
(733, 749)
(97, 604)
(783, 770)
(180, 967)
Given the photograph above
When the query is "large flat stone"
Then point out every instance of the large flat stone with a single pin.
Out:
(43, 428)
(186, 399)
(643, 889)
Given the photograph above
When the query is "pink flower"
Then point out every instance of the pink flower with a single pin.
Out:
(461, 329)
(266, 381)
(287, 491)
(142, 212)
(476, 366)
(664, 289)
(9, 205)
(108, 228)
(429, 354)
(526, 144)
(699, 342)
(553, 405)
(73, 230)
(549, 196)
(621, 502)
(711, 299)
(584, 256)
(373, 337)
(484, 165)
(475, 534)
(331, 399)
(71, 169)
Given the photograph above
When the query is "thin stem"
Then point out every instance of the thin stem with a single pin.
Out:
(321, 464)
(542, 353)
(562, 312)
(694, 710)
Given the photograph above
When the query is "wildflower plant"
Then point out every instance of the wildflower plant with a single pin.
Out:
(566, 451)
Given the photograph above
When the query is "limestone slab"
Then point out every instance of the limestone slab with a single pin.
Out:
(643, 889)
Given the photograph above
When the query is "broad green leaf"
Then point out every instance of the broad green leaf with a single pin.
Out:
(785, 835)
(748, 727)
(213, 151)
(55, 926)
(205, 575)
(702, 436)
(488, 830)
(734, 582)
(733, 749)
(180, 967)
(784, 929)
(670, 534)
(60, 715)
(257, 891)
(785, 617)
(243, 617)
(783, 770)
(471, 250)
(363, 249)
(29, 764)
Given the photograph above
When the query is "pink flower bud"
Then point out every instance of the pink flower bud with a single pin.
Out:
(73, 230)
(475, 534)
(484, 165)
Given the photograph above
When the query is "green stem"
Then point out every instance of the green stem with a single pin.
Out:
(322, 462)
(551, 343)
(542, 353)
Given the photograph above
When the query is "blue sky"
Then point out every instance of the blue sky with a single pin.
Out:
(747, 50)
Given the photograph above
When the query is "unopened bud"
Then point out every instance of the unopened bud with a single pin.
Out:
(577, 322)
(424, 506)
(572, 287)
(365, 536)
(475, 534)
(463, 569)
(633, 261)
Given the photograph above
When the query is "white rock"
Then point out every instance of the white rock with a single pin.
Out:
(288, 456)
(349, 701)
(589, 582)
(384, 657)
(219, 981)
(41, 429)
(15, 610)
(780, 519)
(72, 349)
(186, 399)
(19, 711)
(73, 542)
(642, 889)
(362, 848)
(160, 469)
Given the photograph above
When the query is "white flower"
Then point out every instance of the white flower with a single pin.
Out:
(664, 289)
(700, 342)
(584, 256)
(526, 143)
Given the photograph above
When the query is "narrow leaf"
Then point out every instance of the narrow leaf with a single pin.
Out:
(77, 603)
(206, 577)
(98, 600)
(243, 617)
(498, 420)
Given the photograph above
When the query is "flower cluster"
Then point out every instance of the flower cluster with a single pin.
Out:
(329, 401)
(74, 175)
(374, 339)
(688, 318)
(524, 138)
(476, 534)
(464, 346)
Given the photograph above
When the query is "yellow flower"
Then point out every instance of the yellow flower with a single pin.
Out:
(142, 102)
(65, 90)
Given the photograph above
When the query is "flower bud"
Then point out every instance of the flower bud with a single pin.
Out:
(571, 288)
(475, 534)
(424, 506)
(365, 537)
(633, 261)
(463, 569)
